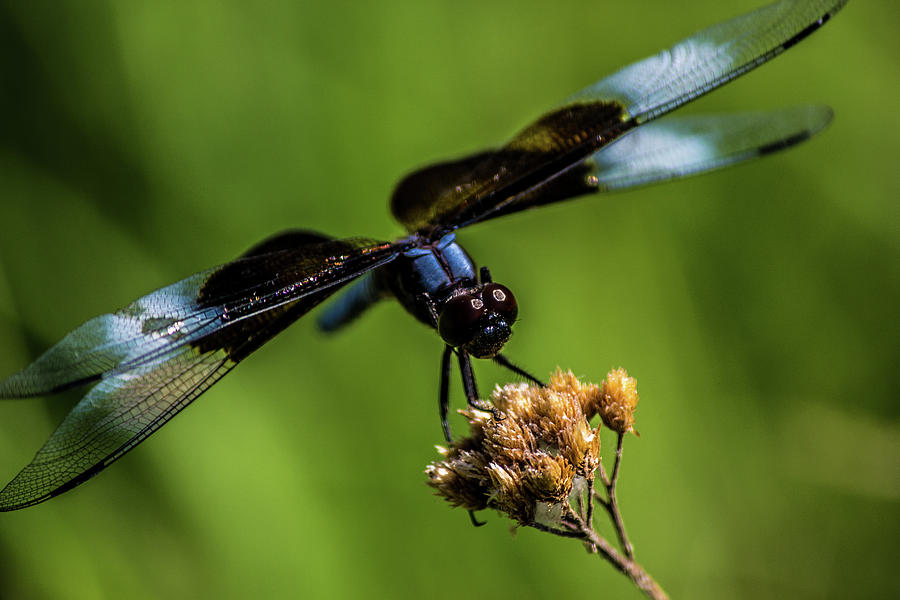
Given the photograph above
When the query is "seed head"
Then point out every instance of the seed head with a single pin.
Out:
(618, 401)
(526, 461)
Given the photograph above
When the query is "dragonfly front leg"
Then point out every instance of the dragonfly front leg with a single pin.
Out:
(470, 387)
(444, 394)
(504, 362)
(468, 378)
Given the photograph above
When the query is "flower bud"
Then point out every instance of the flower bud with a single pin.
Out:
(618, 401)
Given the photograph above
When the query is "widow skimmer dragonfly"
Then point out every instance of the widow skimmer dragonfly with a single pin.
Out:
(149, 360)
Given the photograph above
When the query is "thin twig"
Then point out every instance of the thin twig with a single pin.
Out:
(603, 476)
(589, 497)
(626, 565)
(589, 519)
(559, 532)
(603, 546)
(613, 506)
(615, 474)
(603, 501)
(611, 503)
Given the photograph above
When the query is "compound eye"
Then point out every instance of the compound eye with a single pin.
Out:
(498, 298)
(458, 320)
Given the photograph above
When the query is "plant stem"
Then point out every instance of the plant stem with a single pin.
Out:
(611, 503)
(624, 564)
(614, 503)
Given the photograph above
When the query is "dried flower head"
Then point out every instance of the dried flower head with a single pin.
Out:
(618, 401)
(526, 462)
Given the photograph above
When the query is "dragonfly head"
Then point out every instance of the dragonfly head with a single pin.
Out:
(479, 320)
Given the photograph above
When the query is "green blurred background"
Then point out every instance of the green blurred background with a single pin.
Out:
(756, 306)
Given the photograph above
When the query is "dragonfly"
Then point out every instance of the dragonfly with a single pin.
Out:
(149, 360)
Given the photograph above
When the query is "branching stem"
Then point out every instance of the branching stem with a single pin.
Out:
(613, 506)
(583, 531)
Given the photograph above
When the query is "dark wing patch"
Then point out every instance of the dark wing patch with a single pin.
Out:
(452, 194)
(279, 255)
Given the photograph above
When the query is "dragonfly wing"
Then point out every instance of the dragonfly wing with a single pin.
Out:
(677, 147)
(284, 268)
(710, 58)
(454, 194)
(152, 365)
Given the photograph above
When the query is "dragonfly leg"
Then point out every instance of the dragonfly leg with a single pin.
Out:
(444, 394)
(504, 362)
(468, 378)
(470, 387)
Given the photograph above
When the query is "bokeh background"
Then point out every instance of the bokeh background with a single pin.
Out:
(757, 306)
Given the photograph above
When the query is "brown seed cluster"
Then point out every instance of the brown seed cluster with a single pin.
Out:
(526, 462)
(618, 401)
